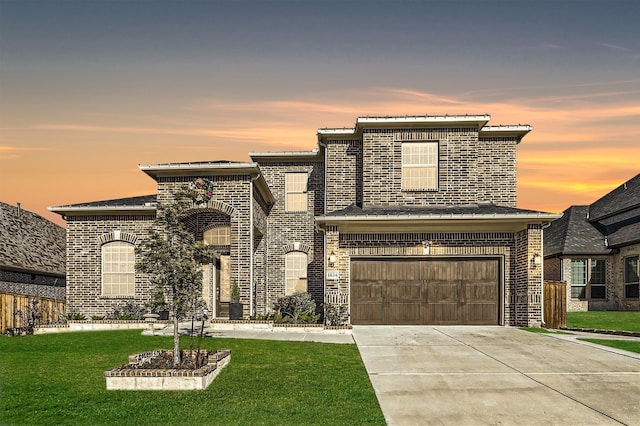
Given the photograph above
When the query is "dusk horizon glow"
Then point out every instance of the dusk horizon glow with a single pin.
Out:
(89, 90)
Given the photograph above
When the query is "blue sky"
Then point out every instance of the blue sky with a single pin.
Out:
(90, 89)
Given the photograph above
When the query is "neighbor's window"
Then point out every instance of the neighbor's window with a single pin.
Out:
(578, 278)
(419, 165)
(118, 269)
(295, 187)
(218, 236)
(295, 272)
(598, 280)
(631, 284)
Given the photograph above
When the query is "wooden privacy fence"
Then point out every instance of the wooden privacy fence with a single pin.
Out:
(51, 310)
(555, 304)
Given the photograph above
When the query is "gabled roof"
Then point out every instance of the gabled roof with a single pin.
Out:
(574, 234)
(140, 204)
(477, 218)
(624, 197)
(29, 242)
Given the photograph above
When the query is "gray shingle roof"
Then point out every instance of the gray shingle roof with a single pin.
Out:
(573, 234)
(624, 197)
(118, 202)
(480, 209)
(30, 242)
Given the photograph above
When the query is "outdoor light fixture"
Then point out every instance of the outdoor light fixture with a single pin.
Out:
(332, 259)
(536, 260)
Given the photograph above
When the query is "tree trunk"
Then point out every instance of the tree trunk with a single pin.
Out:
(176, 342)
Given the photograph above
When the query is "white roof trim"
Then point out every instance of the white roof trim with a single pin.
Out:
(199, 165)
(449, 216)
(423, 118)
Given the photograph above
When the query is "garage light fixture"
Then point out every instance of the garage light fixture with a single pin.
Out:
(332, 258)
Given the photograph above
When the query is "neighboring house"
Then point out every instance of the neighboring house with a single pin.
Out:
(32, 258)
(398, 220)
(595, 249)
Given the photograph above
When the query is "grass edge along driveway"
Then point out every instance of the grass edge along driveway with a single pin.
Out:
(57, 379)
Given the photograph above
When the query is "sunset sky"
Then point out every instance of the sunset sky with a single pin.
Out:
(91, 89)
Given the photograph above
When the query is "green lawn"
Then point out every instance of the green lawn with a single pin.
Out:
(605, 320)
(627, 345)
(57, 379)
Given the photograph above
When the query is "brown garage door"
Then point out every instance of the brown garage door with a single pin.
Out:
(429, 291)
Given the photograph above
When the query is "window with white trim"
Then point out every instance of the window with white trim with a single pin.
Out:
(118, 269)
(419, 165)
(295, 187)
(631, 280)
(295, 272)
(218, 236)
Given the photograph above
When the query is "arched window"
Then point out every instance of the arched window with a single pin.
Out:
(218, 236)
(295, 272)
(118, 269)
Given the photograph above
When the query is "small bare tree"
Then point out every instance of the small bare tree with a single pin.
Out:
(170, 257)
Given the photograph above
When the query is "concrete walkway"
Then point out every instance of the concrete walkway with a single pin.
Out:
(299, 334)
(497, 375)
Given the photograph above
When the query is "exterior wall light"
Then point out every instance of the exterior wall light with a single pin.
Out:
(332, 258)
(536, 260)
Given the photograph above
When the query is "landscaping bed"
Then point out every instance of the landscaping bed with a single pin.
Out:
(155, 370)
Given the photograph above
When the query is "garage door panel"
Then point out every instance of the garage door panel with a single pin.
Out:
(442, 291)
(441, 313)
(368, 291)
(402, 313)
(367, 313)
(403, 291)
(426, 291)
(479, 313)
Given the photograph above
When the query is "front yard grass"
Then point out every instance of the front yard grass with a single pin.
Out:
(605, 320)
(627, 345)
(57, 379)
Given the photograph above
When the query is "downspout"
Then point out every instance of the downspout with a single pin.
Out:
(324, 237)
(251, 283)
(546, 225)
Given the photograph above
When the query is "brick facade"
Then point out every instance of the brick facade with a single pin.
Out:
(359, 168)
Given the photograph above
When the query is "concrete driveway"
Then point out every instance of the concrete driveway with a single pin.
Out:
(497, 375)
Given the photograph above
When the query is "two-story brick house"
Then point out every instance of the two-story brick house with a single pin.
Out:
(398, 220)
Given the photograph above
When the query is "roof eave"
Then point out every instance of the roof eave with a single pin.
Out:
(462, 222)
(101, 210)
(188, 169)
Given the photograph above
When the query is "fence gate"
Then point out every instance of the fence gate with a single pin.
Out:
(555, 304)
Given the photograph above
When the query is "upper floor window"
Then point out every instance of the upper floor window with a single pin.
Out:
(631, 281)
(419, 165)
(295, 272)
(118, 269)
(218, 236)
(295, 187)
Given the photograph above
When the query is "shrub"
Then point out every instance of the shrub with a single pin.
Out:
(129, 311)
(73, 316)
(335, 315)
(30, 316)
(299, 308)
